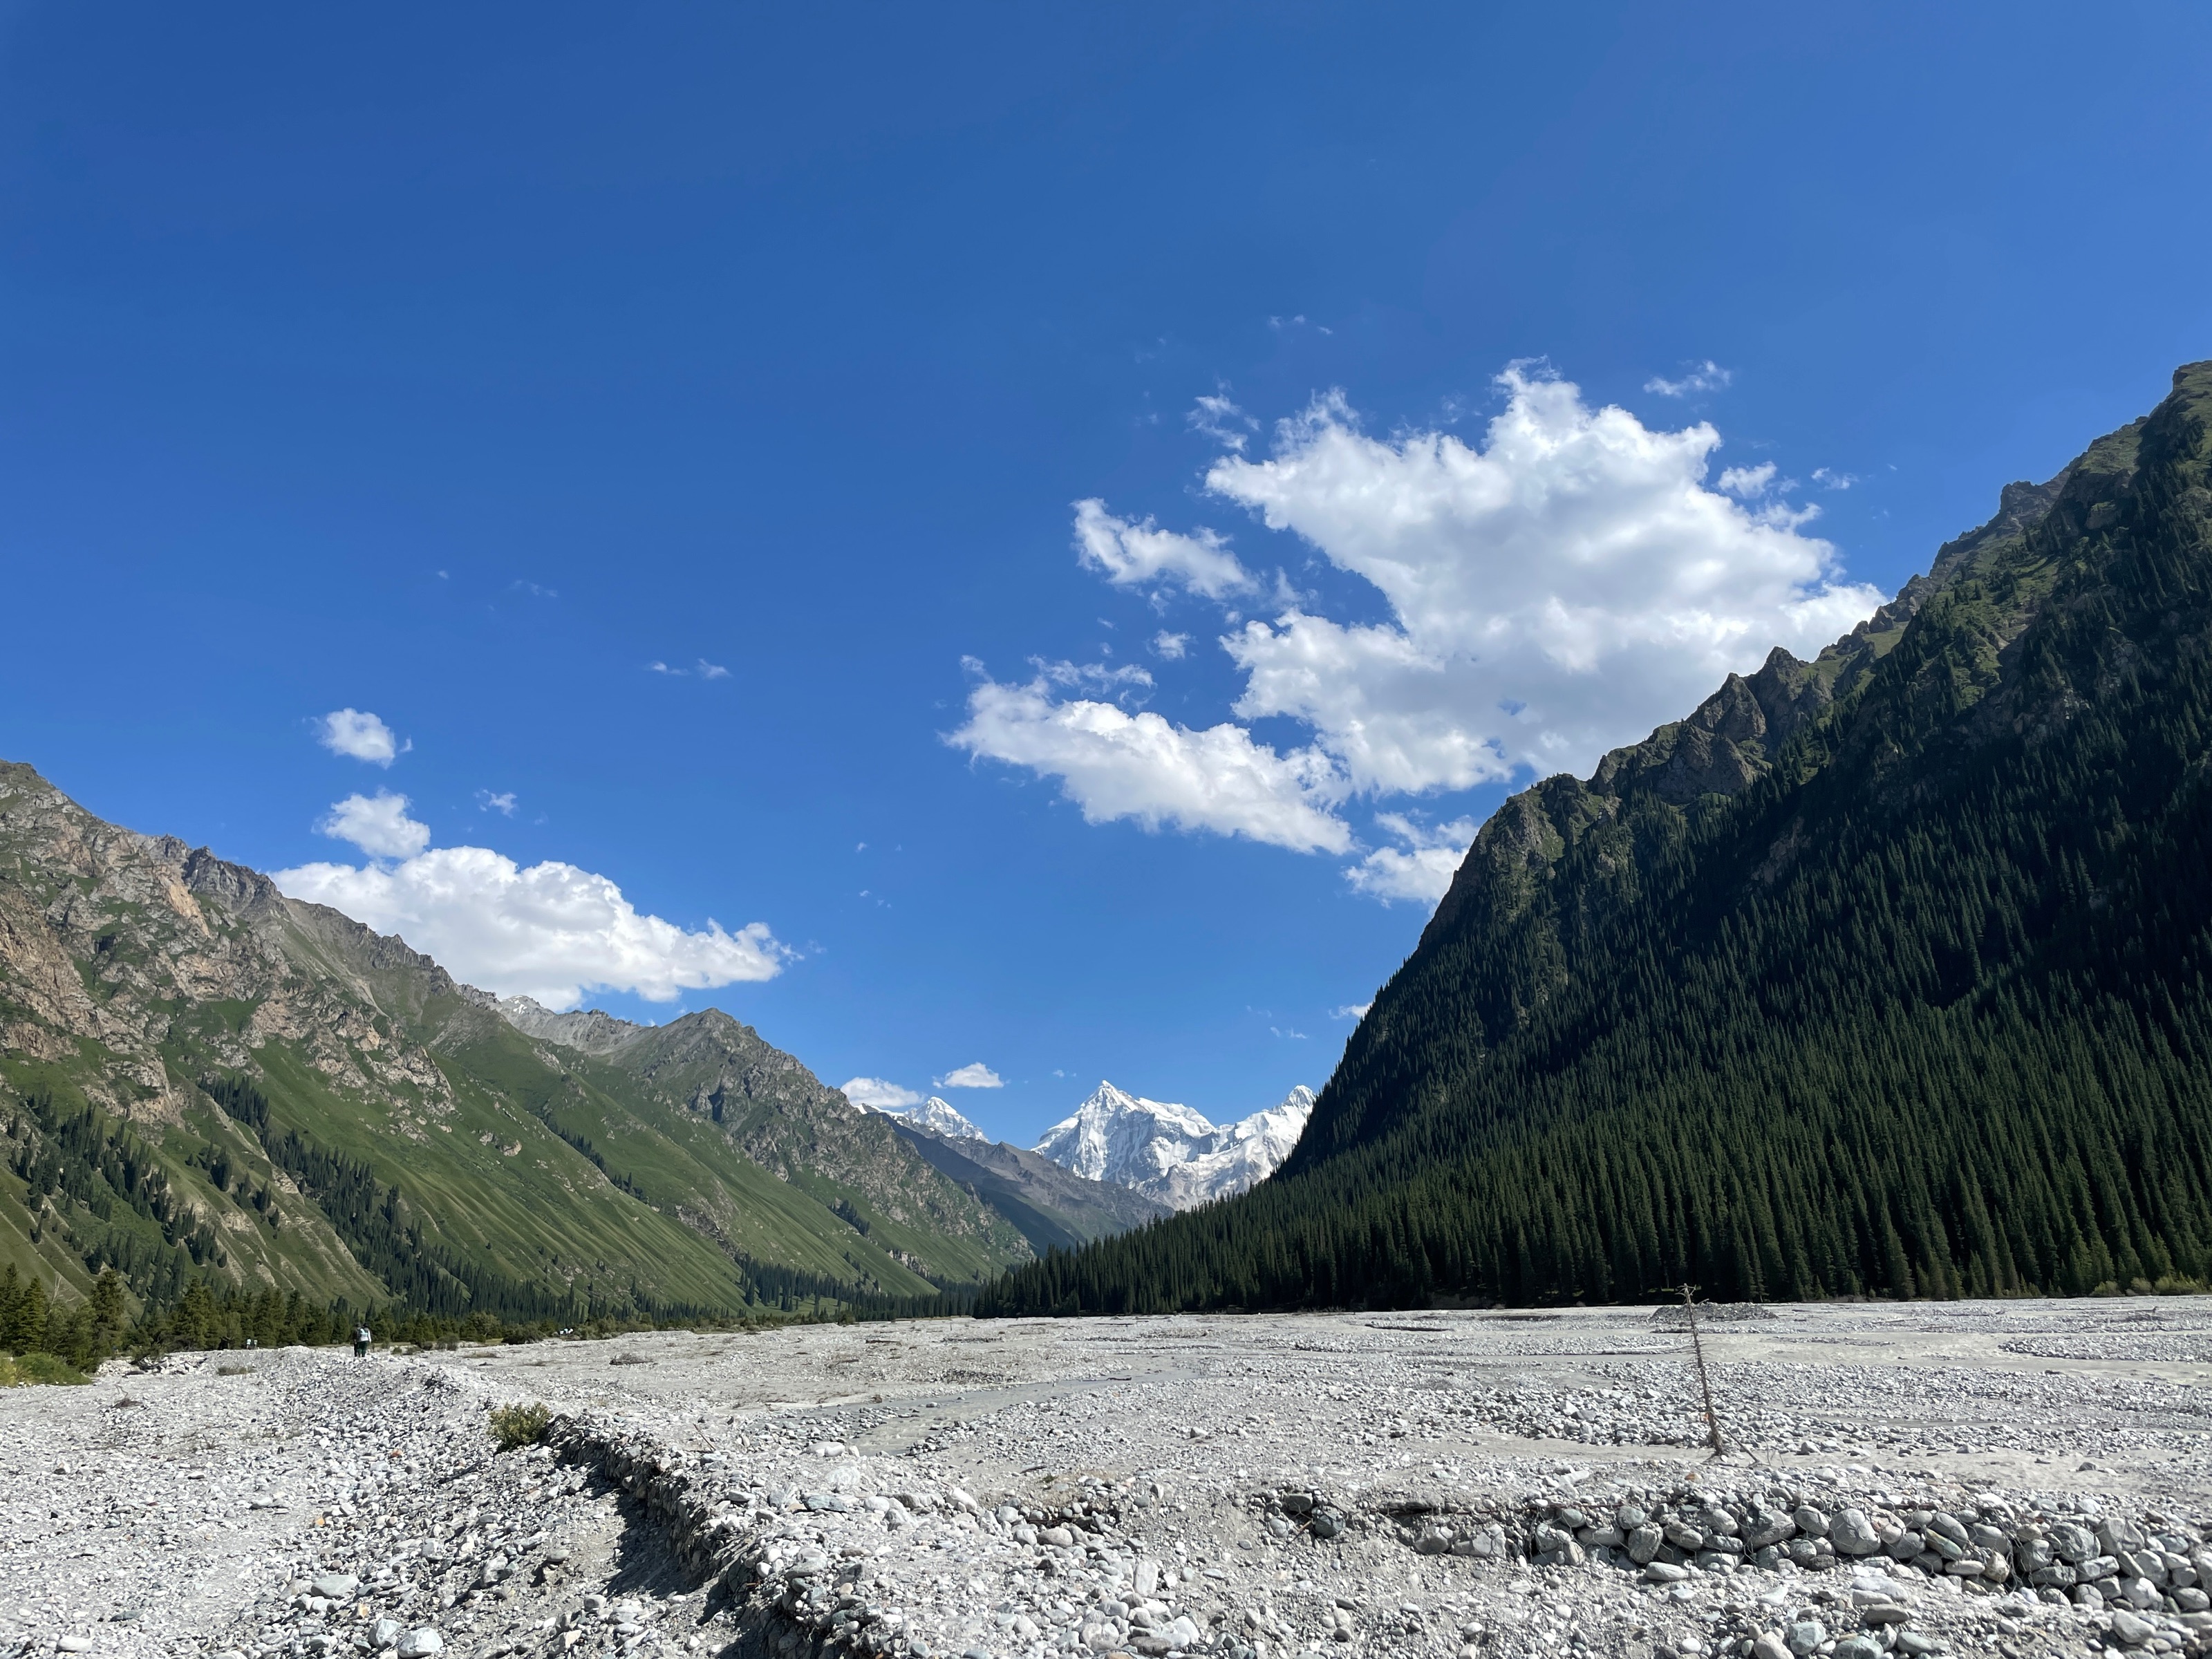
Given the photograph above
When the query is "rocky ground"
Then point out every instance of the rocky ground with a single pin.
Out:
(2005, 1478)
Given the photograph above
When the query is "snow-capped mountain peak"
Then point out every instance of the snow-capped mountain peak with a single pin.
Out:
(1170, 1153)
(939, 1116)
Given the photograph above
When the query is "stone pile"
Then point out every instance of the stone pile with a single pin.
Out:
(801, 1569)
(2151, 1578)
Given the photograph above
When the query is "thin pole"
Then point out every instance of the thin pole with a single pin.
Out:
(1705, 1385)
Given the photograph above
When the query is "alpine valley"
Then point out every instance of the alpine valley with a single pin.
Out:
(1886, 974)
(205, 1083)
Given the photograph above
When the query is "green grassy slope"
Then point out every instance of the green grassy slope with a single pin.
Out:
(385, 1131)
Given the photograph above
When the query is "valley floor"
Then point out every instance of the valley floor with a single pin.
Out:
(1148, 1486)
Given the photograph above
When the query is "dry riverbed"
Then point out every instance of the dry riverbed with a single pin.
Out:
(1964, 1478)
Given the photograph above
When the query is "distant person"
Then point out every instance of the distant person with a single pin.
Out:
(361, 1341)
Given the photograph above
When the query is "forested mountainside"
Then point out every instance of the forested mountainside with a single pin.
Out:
(204, 1080)
(1882, 974)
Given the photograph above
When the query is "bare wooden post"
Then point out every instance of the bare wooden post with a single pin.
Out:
(1705, 1385)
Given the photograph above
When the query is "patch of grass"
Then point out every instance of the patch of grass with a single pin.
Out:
(20, 1370)
(518, 1425)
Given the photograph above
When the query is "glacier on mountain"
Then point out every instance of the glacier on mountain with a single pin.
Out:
(1170, 1152)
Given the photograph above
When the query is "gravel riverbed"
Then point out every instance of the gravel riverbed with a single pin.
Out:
(2008, 1478)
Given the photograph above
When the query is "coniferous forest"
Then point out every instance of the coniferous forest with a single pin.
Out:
(1888, 973)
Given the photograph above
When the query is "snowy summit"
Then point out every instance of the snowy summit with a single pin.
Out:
(1170, 1152)
(939, 1116)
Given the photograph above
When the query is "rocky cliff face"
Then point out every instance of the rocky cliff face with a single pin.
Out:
(114, 939)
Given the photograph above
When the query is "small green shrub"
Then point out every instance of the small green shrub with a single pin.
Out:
(24, 1368)
(513, 1426)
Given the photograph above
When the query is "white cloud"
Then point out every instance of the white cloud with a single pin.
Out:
(712, 671)
(703, 670)
(1422, 870)
(359, 734)
(1708, 376)
(976, 1076)
(1114, 764)
(500, 801)
(1171, 646)
(1220, 420)
(1130, 555)
(1828, 478)
(1746, 482)
(552, 932)
(1556, 592)
(880, 1093)
(1096, 676)
(377, 823)
(1350, 1011)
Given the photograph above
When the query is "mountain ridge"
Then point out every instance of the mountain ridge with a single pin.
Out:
(1883, 974)
(164, 1007)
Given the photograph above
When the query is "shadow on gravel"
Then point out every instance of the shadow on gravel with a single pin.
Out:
(642, 1562)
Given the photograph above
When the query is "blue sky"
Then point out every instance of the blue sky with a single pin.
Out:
(458, 367)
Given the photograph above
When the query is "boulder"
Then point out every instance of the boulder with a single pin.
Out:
(1852, 1534)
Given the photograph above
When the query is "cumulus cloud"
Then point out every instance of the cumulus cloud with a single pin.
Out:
(1173, 646)
(1129, 554)
(1557, 592)
(1708, 376)
(1350, 1011)
(359, 734)
(552, 932)
(1115, 764)
(500, 801)
(976, 1076)
(378, 824)
(1556, 588)
(1421, 870)
(880, 1093)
